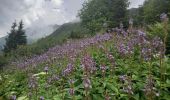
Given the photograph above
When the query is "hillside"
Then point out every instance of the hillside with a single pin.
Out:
(109, 51)
(58, 37)
(94, 67)
(35, 33)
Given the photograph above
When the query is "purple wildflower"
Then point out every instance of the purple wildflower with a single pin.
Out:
(88, 64)
(71, 91)
(13, 97)
(127, 84)
(107, 97)
(122, 78)
(141, 33)
(103, 68)
(149, 88)
(46, 69)
(71, 81)
(57, 78)
(68, 70)
(87, 83)
(33, 83)
(42, 98)
(146, 53)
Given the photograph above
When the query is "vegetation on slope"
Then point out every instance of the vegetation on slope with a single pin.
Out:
(117, 66)
(122, 64)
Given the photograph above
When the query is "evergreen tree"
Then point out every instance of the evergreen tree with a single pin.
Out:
(15, 38)
(10, 40)
(20, 36)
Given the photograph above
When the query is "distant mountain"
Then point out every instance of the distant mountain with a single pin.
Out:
(36, 32)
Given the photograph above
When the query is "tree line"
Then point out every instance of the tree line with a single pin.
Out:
(97, 14)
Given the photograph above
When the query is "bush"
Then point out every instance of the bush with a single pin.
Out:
(3, 61)
(158, 30)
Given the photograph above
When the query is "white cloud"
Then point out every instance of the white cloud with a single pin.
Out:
(135, 3)
(57, 2)
(40, 12)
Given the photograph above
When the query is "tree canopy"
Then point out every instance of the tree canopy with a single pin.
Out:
(97, 13)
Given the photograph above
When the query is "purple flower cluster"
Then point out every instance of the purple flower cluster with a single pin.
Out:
(13, 97)
(149, 88)
(33, 84)
(87, 83)
(46, 69)
(88, 64)
(69, 69)
(71, 90)
(146, 53)
(103, 68)
(70, 49)
(127, 84)
(149, 47)
(125, 49)
(42, 98)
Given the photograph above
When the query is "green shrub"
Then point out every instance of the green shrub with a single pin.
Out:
(3, 61)
(158, 30)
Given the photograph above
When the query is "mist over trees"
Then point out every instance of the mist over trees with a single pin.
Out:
(16, 37)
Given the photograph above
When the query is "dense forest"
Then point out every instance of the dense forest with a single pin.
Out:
(113, 53)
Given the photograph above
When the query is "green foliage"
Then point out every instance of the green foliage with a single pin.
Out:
(96, 13)
(158, 30)
(21, 37)
(3, 61)
(75, 35)
(17, 83)
(150, 11)
(154, 8)
(10, 41)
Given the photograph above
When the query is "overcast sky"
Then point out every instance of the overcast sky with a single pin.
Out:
(41, 12)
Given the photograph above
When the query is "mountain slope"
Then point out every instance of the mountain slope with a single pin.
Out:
(37, 32)
(100, 66)
(56, 38)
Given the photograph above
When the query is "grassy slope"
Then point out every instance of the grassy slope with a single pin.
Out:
(56, 38)
(130, 66)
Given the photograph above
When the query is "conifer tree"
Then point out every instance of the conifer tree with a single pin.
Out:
(20, 36)
(10, 40)
(16, 37)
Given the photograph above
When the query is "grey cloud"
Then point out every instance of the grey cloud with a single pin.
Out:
(136, 3)
(40, 12)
